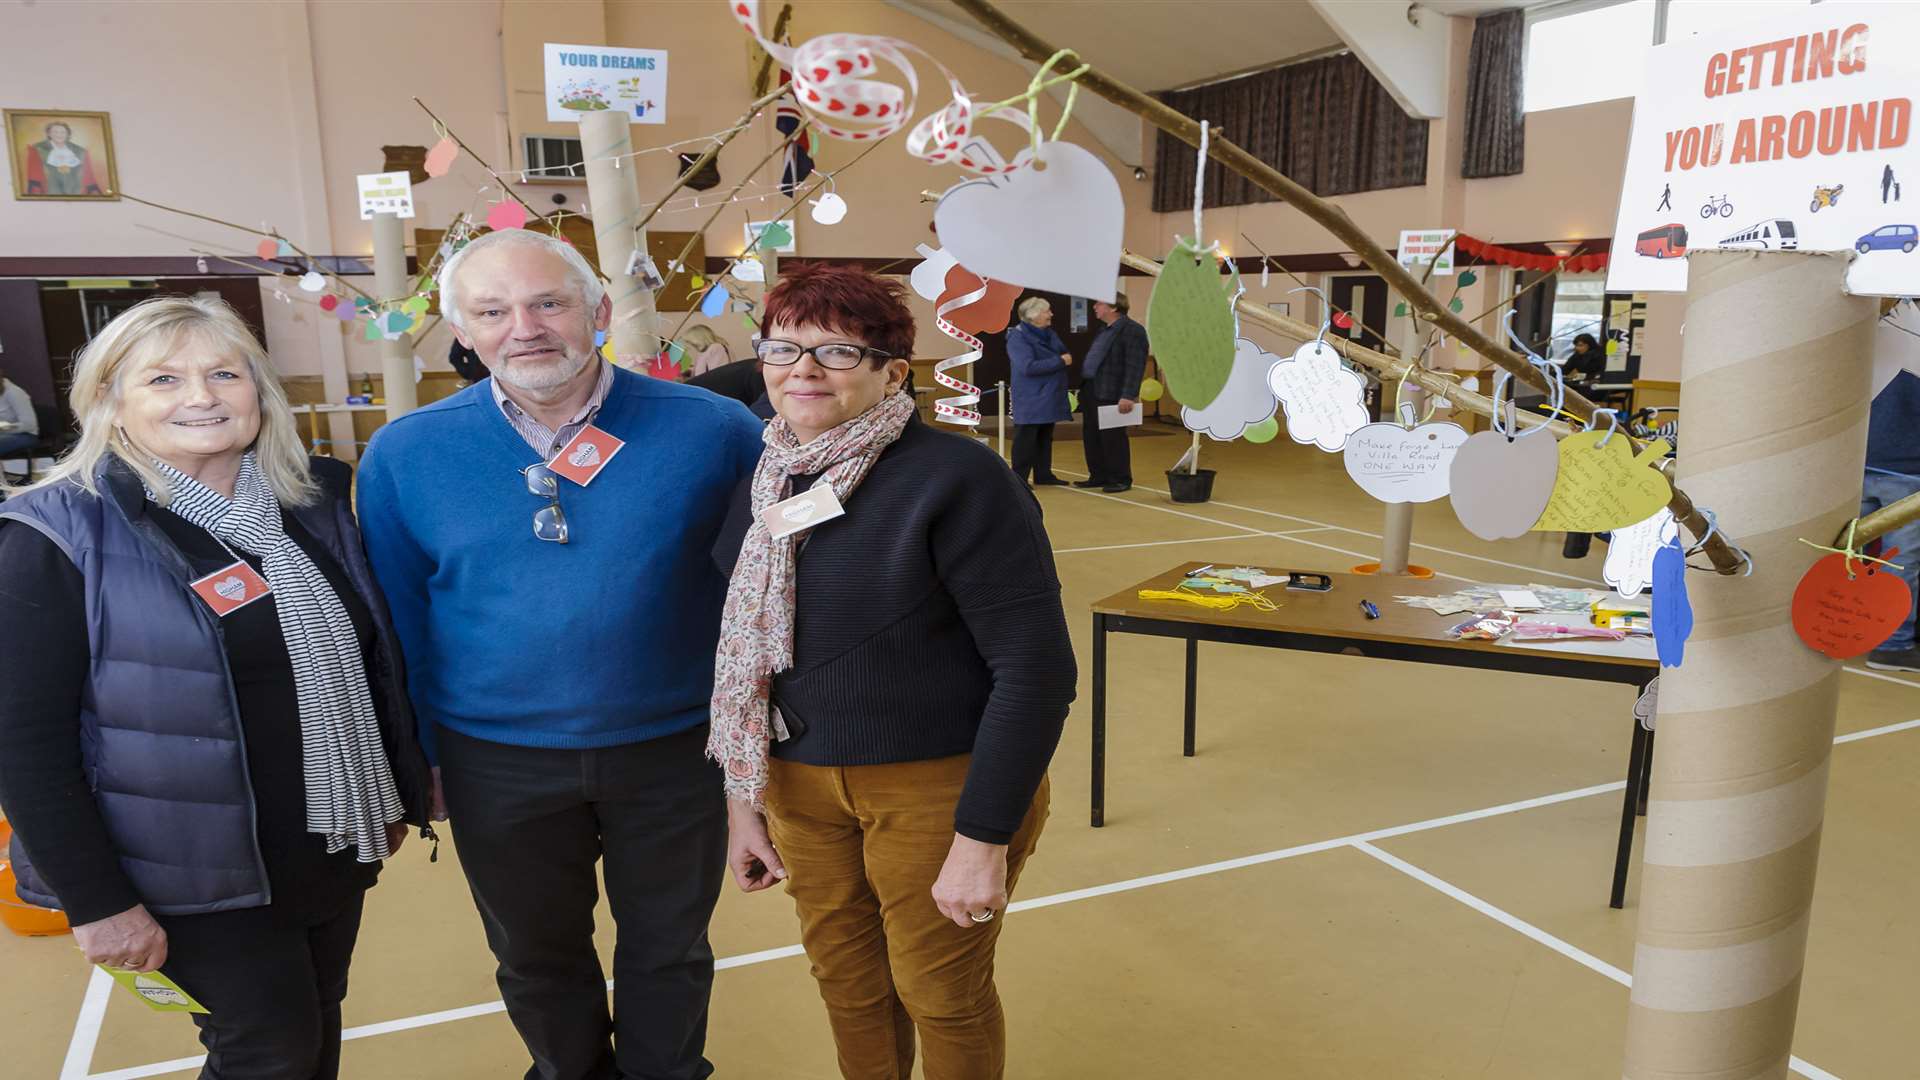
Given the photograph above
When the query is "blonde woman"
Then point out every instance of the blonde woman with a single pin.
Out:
(215, 751)
(705, 349)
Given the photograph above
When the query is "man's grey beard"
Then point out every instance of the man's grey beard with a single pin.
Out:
(545, 377)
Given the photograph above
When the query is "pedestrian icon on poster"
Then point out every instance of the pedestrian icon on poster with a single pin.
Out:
(1888, 185)
(1666, 199)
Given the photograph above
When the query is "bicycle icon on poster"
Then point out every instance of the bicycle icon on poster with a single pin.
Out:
(1717, 204)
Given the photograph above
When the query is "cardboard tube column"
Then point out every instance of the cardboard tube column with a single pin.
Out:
(1774, 380)
(390, 283)
(1396, 533)
(613, 193)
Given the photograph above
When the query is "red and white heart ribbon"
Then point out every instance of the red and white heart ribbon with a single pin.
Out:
(835, 79)
(958, 409)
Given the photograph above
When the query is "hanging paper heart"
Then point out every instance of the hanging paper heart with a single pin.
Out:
(1400, 310)
(329, 302)
(699, 281)
(829, 209)
(1342, 321)
(312, 281)
(665, 367)
(398, 322)
(1468, 277)
(344, 312)
(1322, 398)
(929, 276)
(267, 248)
(1499, 485)
(1603, 486)
(1613, 346)
(361, 303)
(1844, 616)
(372, 332)
(1190, 321)
(1456, 305)
(1246, 399)
(775, 235)
(509, 214)
(1672, 612)
(283, 249)
(415, 306)
(714, 303)
(749, 268)
(1055, 229)
(1630, 552)
(834, 79)
(941, 279)
(1262, 432)
(1404, 462)
(440, 159)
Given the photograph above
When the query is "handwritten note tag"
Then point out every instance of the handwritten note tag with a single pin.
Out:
(1500, 486)
(1397, 464)
(1672, 611)
(1322, 399)
(1603, 486)
(1845, 617)
(1630, 553)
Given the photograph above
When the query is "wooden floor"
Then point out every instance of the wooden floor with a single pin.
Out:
(1232, 919)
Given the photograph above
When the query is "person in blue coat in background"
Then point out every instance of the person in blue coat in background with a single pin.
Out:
(1039, 360)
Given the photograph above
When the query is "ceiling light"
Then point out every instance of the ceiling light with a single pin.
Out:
(1563, 248)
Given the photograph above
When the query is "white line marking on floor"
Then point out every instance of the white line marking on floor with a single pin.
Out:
(1153, 543)
(1883, 676)
(1374, 536)
(1513, 922)
(1360, 840)
(86, 1027)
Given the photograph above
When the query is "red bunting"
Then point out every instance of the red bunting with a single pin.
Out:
(1526, 260)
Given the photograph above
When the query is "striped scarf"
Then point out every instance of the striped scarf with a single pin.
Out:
(349, 782)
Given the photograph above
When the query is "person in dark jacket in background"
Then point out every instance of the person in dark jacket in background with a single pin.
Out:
(899, 811)
(1039, 360)
(1893, 473)
(1587, 362)
(213, 751)
(1116, 363)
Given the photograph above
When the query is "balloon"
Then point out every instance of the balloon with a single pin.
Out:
(1264, 431)
(1151, 390)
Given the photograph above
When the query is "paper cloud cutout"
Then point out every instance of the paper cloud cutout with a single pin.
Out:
(1322, 399)
(1629, 566)
(1245, 401)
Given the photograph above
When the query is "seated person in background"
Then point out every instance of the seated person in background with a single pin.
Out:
(1588, 362)
(703, 349)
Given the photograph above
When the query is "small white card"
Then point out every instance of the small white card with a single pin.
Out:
(1520, 600)
(803, 511)
(1111, 416)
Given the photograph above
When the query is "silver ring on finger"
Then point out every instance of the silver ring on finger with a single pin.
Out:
(981, 916)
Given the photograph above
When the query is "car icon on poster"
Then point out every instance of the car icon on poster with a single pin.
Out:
(1889, 238)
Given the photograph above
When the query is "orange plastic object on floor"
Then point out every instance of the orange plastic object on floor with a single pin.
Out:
(27, 920)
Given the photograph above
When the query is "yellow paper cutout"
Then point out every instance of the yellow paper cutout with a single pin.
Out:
(1605, 487)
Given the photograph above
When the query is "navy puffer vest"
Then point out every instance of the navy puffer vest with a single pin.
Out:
(160, 735)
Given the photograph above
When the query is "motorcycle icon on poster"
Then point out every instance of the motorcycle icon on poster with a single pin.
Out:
(1825, 196)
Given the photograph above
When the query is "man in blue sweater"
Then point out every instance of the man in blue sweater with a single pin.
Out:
(1893, 473)
(543, 538)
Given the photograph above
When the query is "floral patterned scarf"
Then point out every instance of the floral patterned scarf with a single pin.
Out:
(756, 626)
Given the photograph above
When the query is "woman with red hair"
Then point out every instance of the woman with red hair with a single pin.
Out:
(890, 684)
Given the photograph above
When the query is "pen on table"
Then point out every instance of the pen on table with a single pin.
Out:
(1371, 611)
(1198, 570)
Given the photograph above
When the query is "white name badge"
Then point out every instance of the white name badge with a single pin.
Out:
(803, 511)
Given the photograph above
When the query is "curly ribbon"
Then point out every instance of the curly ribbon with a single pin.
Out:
(1851, 551)
(834, 79)
(958, 409)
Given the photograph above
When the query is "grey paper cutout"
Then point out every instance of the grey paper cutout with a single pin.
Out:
(1500, 486)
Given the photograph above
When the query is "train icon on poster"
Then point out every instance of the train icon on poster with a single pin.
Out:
(1777, 234)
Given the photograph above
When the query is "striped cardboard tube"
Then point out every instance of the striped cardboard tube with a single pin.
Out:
(614, 195)
(1774, 387)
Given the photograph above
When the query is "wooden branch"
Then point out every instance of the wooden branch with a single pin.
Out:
(1335, 220)
(745, 179)
(1885, 520)
(693, 170)
(480, 161)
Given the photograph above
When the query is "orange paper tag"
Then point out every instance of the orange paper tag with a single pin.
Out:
(231, 588)
(1845, 617)
(585, 455)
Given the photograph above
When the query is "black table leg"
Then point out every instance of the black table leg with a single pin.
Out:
(1629, 807)
(1193, 664)
(1099, 720)
(1646, 775)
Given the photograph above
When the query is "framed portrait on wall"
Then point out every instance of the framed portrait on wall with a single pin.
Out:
(61, 155)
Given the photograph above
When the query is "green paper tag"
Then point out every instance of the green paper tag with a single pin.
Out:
(776, 235)
(1190, 321)
(160, 993)
(1468, 277)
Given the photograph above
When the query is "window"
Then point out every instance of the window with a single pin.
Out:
(1599, 53)
(551, 157)
(1579, 307)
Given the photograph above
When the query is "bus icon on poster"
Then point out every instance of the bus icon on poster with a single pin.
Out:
(1775, 235)
(1663, 242)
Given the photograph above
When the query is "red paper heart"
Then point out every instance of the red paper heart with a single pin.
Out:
(1845, 617)
(988, 315)
(267, 248)
(1342, 320)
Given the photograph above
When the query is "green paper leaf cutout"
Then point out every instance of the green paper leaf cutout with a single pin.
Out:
(1456, 305)
(1190, 321)
(775, 235)
(1468, 277)
(1400, 310)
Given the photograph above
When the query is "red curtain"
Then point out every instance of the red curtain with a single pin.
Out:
(1527, 260)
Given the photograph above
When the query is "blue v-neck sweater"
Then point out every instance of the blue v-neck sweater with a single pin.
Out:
(602, 641)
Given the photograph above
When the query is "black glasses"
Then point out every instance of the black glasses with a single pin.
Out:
(549, 522)
(838, 355)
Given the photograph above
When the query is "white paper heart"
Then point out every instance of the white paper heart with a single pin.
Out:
(798, 512)
(1244, 401)
(312, 281)
(1629, 565)
(749, 269)
(231, 587)
(584, 455)
(1396, 464)
(828, 209)
(1322, 398)
(1056, 229)
(929, 279)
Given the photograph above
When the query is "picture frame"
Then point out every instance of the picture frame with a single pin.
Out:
(76, 165)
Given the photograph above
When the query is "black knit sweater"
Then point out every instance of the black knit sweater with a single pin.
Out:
(928, 624)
